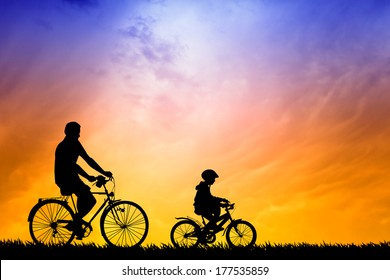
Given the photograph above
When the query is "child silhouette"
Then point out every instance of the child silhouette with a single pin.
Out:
(205, 203)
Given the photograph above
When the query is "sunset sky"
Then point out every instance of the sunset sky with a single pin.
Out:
(287, 100)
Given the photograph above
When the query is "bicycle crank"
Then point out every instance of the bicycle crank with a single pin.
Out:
(87, 228)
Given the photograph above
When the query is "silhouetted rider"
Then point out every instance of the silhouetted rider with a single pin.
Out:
(205, 203)
(67, 171)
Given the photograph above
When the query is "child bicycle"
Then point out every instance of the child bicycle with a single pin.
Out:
(122, 223)
(189, 232)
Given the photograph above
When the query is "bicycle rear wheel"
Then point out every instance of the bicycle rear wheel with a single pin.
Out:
(124, 224)
(47, 223)
(185, 234)
(241, 234)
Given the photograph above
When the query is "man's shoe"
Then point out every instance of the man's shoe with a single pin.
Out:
(69, 226)
(77, 228)
(79, 232)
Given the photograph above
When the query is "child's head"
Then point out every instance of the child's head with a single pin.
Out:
(209, 176)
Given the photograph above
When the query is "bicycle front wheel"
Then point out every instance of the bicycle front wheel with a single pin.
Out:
(241, 234)
(124, 224)
(48, 221)
(185, 234)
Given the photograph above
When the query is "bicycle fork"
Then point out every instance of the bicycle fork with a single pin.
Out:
(115, 210)
(234, 225)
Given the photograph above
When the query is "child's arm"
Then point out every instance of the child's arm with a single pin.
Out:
(220, 199)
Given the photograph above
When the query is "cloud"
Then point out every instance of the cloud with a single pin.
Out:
(146, 48)
(46, 79)
(287, 100)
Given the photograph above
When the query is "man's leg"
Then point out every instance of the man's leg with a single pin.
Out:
(85, 200)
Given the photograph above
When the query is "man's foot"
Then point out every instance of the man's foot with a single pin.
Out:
(69, 226)
(77, 228)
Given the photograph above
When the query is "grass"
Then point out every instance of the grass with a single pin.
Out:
(19, 250)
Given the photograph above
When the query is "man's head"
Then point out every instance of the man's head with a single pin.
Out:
(72, 129)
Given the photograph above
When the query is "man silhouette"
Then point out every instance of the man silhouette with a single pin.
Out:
(67, 171)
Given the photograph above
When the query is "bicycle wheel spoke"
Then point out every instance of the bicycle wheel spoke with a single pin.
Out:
(183, 234)
(129, 234)
(241, 234)
(125, 224)
(45, 227)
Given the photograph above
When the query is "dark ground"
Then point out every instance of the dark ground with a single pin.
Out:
(18, 250)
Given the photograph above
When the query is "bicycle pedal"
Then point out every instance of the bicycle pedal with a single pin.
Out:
(79, 237)
(87, 230)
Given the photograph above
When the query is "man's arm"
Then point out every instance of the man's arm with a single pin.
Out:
(82, 172)
(92, 163)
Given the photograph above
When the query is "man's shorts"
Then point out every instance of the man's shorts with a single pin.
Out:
(78, 187)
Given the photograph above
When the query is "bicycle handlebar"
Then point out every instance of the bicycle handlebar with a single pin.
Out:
(101, 180)
(228, 205)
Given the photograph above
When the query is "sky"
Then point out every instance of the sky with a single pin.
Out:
(288, 101)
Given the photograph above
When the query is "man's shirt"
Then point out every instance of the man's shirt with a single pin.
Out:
(65, 165)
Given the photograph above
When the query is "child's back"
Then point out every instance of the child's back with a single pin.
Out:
(205, 203)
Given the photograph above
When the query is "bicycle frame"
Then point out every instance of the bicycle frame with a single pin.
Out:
(189, 232)
(104, 205)
(65, 201)
(222, 220)
(122, 223)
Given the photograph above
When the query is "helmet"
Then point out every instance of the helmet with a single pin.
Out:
(209, 174)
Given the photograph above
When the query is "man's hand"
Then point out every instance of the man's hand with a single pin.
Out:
(91, 178)
(107, 174)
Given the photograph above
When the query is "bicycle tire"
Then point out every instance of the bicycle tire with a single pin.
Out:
(124, 224)
(47, 223)
(241, 234)
(185, 234)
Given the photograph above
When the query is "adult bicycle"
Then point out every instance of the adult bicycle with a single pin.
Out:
(122, 223)
(189, 232)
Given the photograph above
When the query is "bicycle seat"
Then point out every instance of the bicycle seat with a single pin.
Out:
(65, 192)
